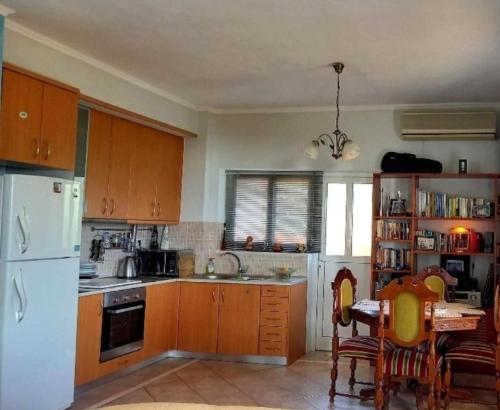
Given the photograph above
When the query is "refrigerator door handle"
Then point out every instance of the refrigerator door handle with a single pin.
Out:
(23, 224)
(21, 293)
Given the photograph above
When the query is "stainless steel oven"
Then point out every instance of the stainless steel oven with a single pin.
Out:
(123, 322)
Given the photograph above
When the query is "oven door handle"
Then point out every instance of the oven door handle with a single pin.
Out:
(124, 310)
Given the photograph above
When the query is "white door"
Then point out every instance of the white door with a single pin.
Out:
(347, 243)
(38, 308)
(41, 218)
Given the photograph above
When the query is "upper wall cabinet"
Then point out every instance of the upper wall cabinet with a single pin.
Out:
(156, 177)
(108, 166)
(37, 121)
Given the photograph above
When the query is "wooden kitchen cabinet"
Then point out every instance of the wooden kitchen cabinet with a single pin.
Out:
(169, 182)
(239, 312)
(37, 120)
(88, 338)
(108, 166)
(283, 321)
(162, 308)
(156, 177)
(145, 163)
(198, 317)
(58, 128)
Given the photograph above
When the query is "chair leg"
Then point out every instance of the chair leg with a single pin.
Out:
(438, 390)
(352, 379)
(497, 387)
(386, 390)
(333, 375)
(430, 398)
(379, 392)
(447, 384)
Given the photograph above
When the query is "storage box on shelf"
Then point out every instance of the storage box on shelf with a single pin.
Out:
(425, 227)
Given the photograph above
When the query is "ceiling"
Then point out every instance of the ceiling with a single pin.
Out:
(244, 54)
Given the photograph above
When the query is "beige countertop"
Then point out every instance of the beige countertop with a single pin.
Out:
(199, 278)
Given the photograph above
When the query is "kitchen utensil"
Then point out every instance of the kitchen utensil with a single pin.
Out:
(283, 272)
(186, 263)
(127, 268)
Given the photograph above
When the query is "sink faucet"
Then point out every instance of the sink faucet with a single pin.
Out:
(240, 270)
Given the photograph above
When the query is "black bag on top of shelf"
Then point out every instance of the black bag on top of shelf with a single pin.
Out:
(409, 163)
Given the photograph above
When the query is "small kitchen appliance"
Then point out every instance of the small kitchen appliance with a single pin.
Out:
(157, 263)
(127, 268)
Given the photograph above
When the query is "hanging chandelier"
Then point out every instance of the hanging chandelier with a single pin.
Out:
(339, 144)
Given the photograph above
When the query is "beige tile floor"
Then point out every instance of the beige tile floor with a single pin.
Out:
(304, 385)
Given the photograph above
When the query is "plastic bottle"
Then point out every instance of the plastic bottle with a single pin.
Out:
(210, 268)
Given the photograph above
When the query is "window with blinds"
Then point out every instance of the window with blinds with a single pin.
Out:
(271, 207)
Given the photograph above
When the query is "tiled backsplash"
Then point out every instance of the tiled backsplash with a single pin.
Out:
(204, 238)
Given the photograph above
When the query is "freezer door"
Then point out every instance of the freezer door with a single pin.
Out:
(41, 218)
(38, 309)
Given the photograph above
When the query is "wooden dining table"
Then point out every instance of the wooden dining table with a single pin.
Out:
(368, 313)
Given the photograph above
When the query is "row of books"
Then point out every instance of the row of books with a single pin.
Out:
(437, 204)
(442, 242)
(393, 230)
(393, 258)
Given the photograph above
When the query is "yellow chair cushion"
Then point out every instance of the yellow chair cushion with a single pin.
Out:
(346, 300)
(407, 316)
(436, 284)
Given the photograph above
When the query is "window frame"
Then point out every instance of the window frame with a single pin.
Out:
(272, 177)
(349, 181)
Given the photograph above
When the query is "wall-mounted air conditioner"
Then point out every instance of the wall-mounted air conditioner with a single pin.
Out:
(448, 125)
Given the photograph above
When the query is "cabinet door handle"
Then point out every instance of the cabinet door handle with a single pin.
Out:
(36, 152)
(101, 308)
(213, 294)
(222, 295)
(158, 209)
(112, 206)
(104, 205)
(47, 152)
(153, 205)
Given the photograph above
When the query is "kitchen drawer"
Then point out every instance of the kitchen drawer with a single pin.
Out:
(274, 319)
(277, 291)
(268, 348)
(273, 334)
(274, 304)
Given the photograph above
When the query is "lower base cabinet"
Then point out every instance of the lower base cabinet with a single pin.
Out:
(198, 317)
(228, 319)
(160, 332)
(160, 327)
(239, 309)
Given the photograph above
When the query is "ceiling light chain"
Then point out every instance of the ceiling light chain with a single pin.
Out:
(340, 145)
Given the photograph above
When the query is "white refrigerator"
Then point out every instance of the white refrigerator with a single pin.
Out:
(39, 268)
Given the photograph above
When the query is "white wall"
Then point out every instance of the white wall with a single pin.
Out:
(94, 82)
(275, 142)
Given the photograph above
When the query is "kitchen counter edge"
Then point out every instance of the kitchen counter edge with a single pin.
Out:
(293, 281)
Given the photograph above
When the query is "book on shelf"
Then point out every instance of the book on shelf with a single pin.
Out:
(393, 230)
(441, 205)
(393, 258)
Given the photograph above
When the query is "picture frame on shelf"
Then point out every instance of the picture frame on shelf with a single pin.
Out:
(426, 243)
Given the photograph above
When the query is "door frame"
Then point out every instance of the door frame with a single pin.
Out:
(349, 178)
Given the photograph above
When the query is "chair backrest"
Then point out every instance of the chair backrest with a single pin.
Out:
(407, 299)
(438, 280)
(344, 296)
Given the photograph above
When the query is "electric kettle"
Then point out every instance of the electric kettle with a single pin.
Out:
(127, 268)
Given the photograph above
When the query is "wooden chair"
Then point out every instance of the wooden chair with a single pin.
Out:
(439, 280)
(356, 347)
(476, 352)
(407, 328)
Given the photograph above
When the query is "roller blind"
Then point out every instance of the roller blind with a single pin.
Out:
(284, 207)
